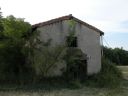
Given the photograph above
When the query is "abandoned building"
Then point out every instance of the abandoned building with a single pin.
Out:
(86, 37)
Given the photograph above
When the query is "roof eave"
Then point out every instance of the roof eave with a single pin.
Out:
(68, 17)
(88, 25)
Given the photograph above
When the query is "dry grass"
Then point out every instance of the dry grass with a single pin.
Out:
(122, 90)
(84, 91)
(124, 70)
(67, 92)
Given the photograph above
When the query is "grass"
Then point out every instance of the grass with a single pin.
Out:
(124, 70)
(63, 89)
(56, 90)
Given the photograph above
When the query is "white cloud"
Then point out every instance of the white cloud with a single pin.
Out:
(106, 15)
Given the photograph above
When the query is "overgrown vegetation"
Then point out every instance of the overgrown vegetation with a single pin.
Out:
(13, 65)
(109, 76)
(46, 58)
(26, 59)
(76, 64)
(75, 59)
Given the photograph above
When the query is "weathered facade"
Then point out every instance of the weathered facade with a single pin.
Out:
(88, 39)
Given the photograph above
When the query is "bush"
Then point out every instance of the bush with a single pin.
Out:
(76, 65)
(109, 76)
(75, 84)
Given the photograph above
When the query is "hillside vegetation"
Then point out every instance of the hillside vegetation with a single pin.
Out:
(119, 56)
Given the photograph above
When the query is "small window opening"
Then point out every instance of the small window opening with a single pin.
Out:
(71, 41)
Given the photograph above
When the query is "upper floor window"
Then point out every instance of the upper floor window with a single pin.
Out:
(71, 41)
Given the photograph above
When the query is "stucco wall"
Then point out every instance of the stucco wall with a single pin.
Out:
(88, 41)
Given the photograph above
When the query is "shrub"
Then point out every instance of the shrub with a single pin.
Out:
(75, 84)
(109, 76)
(76, 65)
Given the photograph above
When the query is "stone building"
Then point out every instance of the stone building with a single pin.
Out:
(86, 37)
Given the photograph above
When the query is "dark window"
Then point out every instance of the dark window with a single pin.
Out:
(71, 41)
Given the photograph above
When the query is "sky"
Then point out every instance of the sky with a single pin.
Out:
(110, 16)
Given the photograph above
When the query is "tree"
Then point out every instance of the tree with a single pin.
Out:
(12, 55)
(116, 55)
(15, 28)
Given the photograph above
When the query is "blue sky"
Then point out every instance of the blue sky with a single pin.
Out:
(110, 16)
(117, 40)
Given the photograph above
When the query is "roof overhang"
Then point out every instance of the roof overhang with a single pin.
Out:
(68, 17)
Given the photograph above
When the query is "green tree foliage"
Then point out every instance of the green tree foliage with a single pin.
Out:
(12, 57)
(15, 28)
(116, 55)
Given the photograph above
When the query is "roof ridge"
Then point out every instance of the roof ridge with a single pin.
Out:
(67, 17)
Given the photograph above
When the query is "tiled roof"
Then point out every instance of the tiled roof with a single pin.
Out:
(68, 17)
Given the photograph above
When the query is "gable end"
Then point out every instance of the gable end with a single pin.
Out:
(68, 17)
